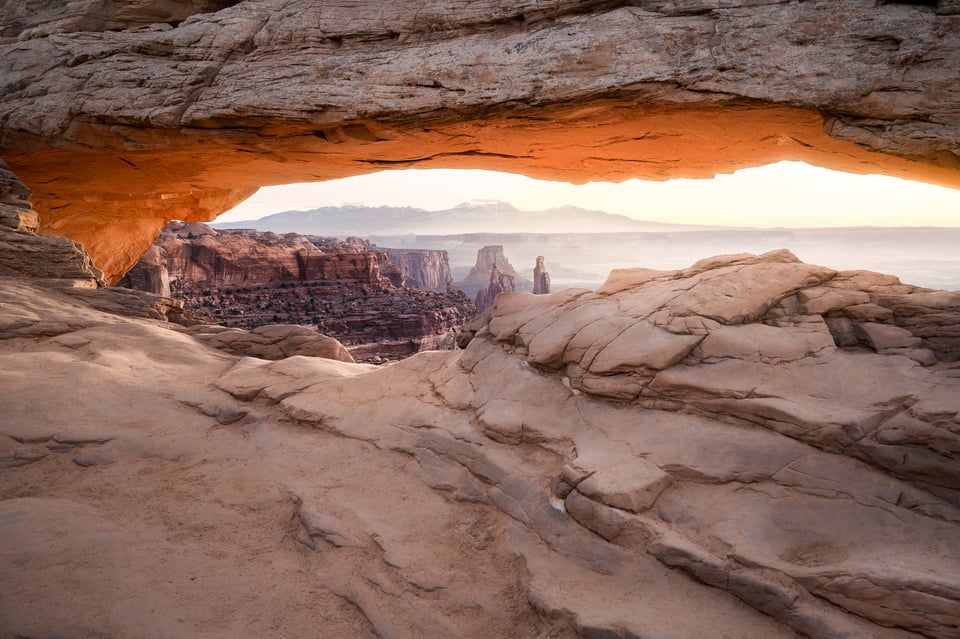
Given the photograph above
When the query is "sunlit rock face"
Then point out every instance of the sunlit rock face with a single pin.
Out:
(122, 115)
(25, 253)
(196, 256)
(750, 447)
(346, 290)
(428, 270)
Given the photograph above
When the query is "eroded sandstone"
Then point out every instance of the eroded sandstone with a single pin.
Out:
(349, 291)
(24, 252)
(499, 283)
(122, 116)
(807, 485)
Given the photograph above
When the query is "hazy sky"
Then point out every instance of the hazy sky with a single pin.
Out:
(781, 194)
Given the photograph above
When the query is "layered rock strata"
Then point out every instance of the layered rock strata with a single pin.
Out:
(499, 283)
(695, 453)
(423, 269)
(122, 116)
(347, 290)
(190, 256)
(479, 276)
(272, 342)
(24, 252)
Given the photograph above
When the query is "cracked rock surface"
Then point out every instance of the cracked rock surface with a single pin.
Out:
(728, 450)
(125, 114)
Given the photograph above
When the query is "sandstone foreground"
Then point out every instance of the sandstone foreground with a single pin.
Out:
(750, 447)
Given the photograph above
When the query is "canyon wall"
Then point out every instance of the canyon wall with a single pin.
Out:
(430, 270)
(201, 256)
(248, 279)
(122, 115)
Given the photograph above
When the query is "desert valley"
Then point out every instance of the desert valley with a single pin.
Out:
(545, 432)
(583, 246)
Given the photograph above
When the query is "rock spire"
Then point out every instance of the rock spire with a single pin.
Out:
(541, 278)
(499, 283)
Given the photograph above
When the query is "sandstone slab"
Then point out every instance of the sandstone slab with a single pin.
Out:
(633, 486)
(883, 336)
(475, 492)
(275, 341)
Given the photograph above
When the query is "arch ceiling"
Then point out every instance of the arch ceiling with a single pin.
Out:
(123, 114)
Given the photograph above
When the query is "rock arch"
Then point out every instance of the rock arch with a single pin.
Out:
(121, 119)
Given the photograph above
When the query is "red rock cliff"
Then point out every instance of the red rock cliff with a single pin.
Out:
(499, 283)
(197, 255)
(487, 258)
(249, 279)
(430, 269)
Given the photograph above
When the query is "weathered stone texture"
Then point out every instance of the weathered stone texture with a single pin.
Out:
(499, 283)
(429, 270)
(346, 289)
(141, 112)
(24, 253)
(271, 342)
(601, 464)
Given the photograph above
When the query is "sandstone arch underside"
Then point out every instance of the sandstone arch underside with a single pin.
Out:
(122, 115)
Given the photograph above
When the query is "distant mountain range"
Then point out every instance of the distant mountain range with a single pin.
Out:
(486, 216)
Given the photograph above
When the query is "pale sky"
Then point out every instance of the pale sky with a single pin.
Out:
(782, 194)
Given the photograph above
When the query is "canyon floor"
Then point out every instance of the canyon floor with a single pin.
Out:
(748, 447)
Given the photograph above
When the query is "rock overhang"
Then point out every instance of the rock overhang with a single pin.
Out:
(121, 126)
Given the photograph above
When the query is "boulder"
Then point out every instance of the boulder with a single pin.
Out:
(275, 341)
(883, 336)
